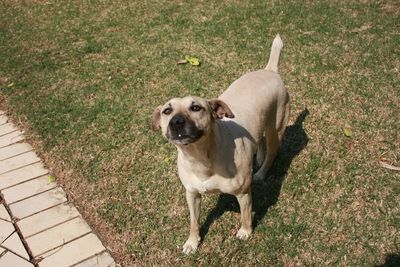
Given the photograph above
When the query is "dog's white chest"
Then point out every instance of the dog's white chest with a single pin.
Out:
(208, 179)
(193, 183)
(211, 184)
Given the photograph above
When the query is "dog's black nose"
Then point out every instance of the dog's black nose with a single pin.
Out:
(177, 121)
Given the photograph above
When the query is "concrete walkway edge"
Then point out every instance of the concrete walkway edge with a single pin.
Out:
(38, 226)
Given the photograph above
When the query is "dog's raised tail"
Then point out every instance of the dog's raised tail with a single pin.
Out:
(276, 48)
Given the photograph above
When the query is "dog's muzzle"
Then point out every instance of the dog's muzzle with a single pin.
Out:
(183, 131)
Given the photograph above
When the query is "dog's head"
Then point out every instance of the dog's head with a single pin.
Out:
(186, 120)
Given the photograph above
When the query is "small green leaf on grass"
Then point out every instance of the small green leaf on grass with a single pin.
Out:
(10, 85)
(51, 179)
(194, 61)
(347, 132)
(167, 159)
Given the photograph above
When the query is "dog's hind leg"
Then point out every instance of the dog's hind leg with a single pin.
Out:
(260, 156)
(283, 114)
(273, 136)
(272, 146)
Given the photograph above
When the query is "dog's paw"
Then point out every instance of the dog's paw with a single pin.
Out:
(243, 234)
(191, 245)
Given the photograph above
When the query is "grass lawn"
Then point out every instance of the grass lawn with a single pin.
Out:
(83, 77)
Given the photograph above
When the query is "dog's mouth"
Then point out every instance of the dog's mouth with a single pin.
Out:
(185, 138)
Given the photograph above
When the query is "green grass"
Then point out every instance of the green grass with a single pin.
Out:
(88, 74)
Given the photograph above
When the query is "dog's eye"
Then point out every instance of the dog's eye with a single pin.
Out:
(195, 108)
(167, 111)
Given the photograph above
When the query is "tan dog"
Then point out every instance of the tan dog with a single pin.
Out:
(217, 139)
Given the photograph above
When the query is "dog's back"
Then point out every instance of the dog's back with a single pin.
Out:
(258, 95)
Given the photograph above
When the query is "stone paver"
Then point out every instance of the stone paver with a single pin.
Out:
(13, 150)
(6, 229)
(38, 203)
(21, 175)
(14, 244)
(46, 219)
(11, 138)
(102, 260)
(29, 188)
(37, 224)
(57, 236)
(10, 259)
(4, 213)
(3, 119)
(7, 128)
(18, 161)
(72, 253)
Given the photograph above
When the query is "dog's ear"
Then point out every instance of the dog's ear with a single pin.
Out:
(220, 109)
(155, 122)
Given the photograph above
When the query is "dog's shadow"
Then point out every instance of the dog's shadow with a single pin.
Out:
(266, 193)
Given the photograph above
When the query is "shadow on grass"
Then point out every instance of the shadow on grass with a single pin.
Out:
(391, 260)
(266, 193)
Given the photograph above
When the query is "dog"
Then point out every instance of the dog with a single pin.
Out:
(217, 139)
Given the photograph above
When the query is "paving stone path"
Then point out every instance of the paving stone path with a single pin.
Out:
(38, 226)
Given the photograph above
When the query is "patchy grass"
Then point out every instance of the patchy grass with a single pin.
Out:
(88, 74)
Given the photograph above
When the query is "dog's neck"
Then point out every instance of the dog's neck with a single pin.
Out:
(204, 156)
(202, 151)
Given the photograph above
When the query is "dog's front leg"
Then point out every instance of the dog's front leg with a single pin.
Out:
(245, 216)
(193, 200)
